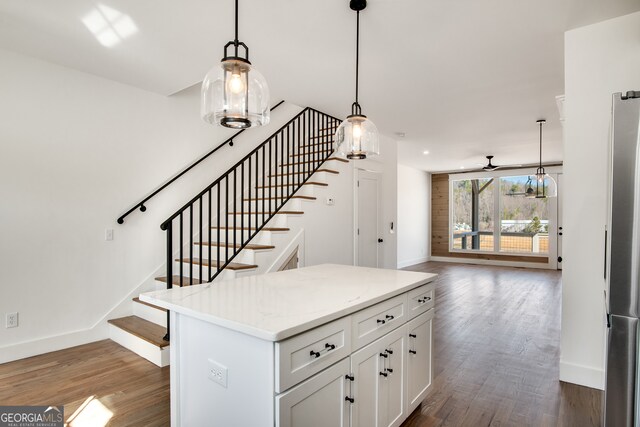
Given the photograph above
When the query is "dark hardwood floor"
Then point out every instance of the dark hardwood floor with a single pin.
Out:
(497, 351)
(496, 338)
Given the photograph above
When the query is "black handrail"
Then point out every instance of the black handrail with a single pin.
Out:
(263, 182)
(141, 205)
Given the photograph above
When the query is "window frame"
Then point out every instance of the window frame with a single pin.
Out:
(497, 210)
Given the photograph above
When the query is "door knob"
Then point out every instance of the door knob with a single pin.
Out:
(380, 240)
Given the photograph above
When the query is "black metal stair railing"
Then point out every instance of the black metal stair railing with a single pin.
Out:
(241, 202)
(141, 204)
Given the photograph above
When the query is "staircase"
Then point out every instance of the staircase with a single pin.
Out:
(233, 227)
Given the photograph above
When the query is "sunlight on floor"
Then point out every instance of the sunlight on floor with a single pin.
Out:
(92, 413)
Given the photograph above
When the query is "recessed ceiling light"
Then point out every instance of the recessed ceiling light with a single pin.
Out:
(425, 152)
(400, 134)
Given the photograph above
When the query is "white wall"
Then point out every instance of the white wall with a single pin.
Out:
(600, 59)
(329, 230)
(75, 152)
(414, 201)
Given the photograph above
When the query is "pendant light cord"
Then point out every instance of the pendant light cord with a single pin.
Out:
(540, 144)
(357, 52)
(236, 42)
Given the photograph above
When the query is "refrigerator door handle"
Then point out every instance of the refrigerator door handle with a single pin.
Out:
(605, 254)
(606, 310)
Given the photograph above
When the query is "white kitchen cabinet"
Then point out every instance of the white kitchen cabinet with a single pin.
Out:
(318, 402)
(319, 346)
(419, 358)
(379, 379)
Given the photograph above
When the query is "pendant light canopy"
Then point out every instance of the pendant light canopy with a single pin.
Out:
(545, 184)
(357, 136)
(234, 93)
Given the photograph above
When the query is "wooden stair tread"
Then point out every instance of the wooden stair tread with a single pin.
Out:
(311, 153)
(311, 161)
(268, 213)
(253, 228)
(323, 184)
(251, 246)
(301, 172)
(328, 135)
(148, 304)
(143, 329)
(176, 280)
(215, 264)
(280, 198)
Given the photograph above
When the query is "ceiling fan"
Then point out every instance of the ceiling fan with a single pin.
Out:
(489, 167)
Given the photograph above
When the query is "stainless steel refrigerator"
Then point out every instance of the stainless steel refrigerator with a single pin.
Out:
(622, 265)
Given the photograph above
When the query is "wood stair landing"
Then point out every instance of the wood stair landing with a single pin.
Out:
(176, 280)
(143, 329)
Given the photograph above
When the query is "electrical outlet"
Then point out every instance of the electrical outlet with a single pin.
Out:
(218, 373)
(12, 320)
(108, 234)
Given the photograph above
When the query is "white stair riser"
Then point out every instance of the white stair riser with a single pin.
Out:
(152, 353)
(246, 256)
(278, 220)
(159, 317)
(262, 238)
(226, 273)
(292, 204)
(305, 190)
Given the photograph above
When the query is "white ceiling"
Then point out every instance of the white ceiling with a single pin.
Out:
(462, 79)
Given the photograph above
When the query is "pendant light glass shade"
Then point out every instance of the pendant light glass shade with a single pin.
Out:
(545, 185)
(235, 95)
(357, 138)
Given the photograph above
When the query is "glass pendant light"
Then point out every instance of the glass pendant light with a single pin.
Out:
(357, 136)
(545, 184)
(234, 93)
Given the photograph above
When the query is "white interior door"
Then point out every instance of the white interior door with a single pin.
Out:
(367, 218)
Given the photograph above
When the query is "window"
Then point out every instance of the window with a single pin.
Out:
(524, 222)
(473, 214)
(493, 215)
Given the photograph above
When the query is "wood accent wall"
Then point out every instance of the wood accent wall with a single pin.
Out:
(440, 227)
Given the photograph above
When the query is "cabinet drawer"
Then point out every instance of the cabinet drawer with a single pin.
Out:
(300, 357)
(373, 322)
(421, 299)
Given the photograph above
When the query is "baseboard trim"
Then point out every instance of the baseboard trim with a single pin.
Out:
(499, 263)
(582, 375)
(54, 343)
(410, 262)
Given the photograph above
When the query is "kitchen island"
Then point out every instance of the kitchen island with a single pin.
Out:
(328, 345)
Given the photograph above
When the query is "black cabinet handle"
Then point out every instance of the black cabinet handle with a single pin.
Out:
(329, 346)
(315, 354)
(349, 399)
(390, 370)
(413, 352)
(389, 351)
(389, 317)
(381, 321)
(349, 377)
(384, 355)
(380, 240)
(412, 336)
(423, 300)
(384, 374)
